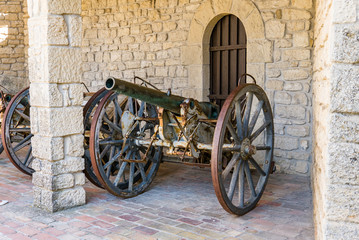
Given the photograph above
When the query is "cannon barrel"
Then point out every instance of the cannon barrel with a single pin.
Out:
(149, 95)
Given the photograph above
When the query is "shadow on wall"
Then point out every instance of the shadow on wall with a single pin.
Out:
(4, 30)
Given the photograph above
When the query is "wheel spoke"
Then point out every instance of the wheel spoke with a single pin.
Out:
(230, 165)
(263, 148)
(234, 179)
(111, 142)
(241, 186)
(25, 130)
(142, 171)
(239, 120)
(28, 155)
(233, 133)
(259, 131)
(120, 173)
(249, 179)
(130, 105)
(142, 108)
(22, 114)
(256, 165)
(105, 151)
(23, 143)
(111, 124)
(132, 174)
(255, 117)
(114, 158)
(247, 113)
(118, 109)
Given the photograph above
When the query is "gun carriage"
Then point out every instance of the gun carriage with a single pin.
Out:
(133, 127)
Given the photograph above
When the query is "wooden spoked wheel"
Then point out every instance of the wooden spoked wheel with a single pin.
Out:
(240, 173)
(89, 111)
(16, 134)
(122, 165)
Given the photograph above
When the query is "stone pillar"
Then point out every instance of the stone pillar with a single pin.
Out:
(56, 96)
(336, 120)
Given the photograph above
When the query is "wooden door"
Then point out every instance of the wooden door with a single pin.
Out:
(227, 57)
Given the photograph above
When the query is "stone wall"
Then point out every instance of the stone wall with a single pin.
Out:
(336, 114)
(13, 45)
(166, 41)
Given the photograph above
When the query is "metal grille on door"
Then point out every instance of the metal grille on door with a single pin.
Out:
(227, 57)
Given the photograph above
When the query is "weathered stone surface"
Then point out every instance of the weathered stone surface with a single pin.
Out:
(64, 6)
(51, 148)
(272, 4)
(298, 130)
(56, 30)
(295, 54)
(301, 39)
(345, 11)
(286, 143)
(290, 112)
(274, 29)
(56, 122)
(64, 65)
(74, 30)
(45, 95)
(67, 165)
(295, 14)
(282, 98)
(259, 51)
(346, 43)
(302, 4)
(345, 88)
(295, 74)
(344, 128)
(73, 145)
(342, 230)
(274, 84)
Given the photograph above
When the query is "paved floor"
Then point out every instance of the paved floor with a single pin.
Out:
(181, 204)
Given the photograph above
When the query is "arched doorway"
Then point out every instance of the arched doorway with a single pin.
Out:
(228, 50)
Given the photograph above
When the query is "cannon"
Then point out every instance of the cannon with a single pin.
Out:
(134, 126)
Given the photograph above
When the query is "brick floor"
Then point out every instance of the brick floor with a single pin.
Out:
(181, 204)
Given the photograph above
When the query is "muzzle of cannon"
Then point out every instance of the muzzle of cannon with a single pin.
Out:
(167, 101)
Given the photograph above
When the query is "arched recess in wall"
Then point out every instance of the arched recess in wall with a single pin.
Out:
(196, 55)
(227, 57)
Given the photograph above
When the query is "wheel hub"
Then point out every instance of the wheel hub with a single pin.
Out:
(247, 150)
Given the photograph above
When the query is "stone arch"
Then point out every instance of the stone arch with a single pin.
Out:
(196, 53)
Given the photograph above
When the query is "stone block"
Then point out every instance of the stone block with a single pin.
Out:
(57, 122)
(295, 26)
(282, 98)
(80, 179)
(335, 230)
(74, 23)
(345, 88)
(274, 84)
(286, 143)
(254, 22)
(57, 30)
(298, 130)
(300, 167)
(62, 181)
(295, 14)
(50, 148)
(272, 4)
(257, 71)
(191, 55)
(296, 54)
(342, 203)
(45, 95)
(274, 29)
(343, 161)
(300, 99)
(259, 51)
(293, 87)
(74, 145)
(301, 39)
(345, 11)
(290, 112)
(64, 6)
(64, 65)
(302, 4)
(346, 44)
(63, 199)
(295, 74)
(66, 165)
(344, 128)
